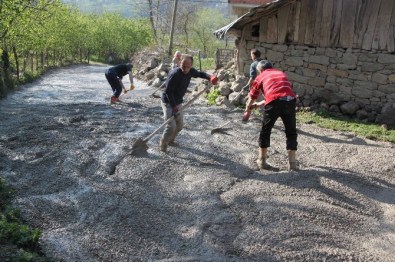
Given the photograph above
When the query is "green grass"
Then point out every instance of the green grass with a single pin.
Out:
(207, 64)
(325, 120)
(18, 242)
(212, 96)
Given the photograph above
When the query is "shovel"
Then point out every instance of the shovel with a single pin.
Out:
(140, 147)
(221, 128)
(156, 90)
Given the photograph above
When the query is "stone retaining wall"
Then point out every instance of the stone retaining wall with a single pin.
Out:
(353, 82)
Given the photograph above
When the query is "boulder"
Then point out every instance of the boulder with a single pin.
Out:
(220, 100)
(349, 108)
(334, 109)
(361, 114)
(224, 88)
(232, 97)
(157, 82)
(150, 75)
(236, 87)
(387, 115)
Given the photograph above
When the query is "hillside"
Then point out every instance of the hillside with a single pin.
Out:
(138, 8)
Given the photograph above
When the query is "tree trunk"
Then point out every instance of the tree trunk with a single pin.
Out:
(151, 19)
(31, 61)
(16, 62)
(42, 60)
(37, 60)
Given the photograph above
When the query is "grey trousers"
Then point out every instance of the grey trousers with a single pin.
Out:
(175, 126)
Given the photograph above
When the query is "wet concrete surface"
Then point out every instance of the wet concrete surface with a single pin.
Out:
(66, 152)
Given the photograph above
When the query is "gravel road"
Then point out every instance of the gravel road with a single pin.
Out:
(66, 152)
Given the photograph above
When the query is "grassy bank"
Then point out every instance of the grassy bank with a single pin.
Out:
(18, 242)
(370, 131)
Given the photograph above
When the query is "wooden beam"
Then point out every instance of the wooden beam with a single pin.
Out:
(364, 7)
(263, 30)
(336, 23)
(272, 29)
(318, 21)
(297, 22)
(348, 23)
(289, 38)
(383, 24)
(368, 37)
(282, 24)
(310, 22)
(391, 37)
(326, 23)
(302, 21)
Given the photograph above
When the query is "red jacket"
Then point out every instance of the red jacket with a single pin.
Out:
(273, 83)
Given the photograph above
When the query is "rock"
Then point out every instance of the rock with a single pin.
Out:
(334, 108)
(162, 75)
(150, 75)
(220, 100)
(349, 108)
(324, 106)
(236, 87)
(224, 88)
(387, 115)
(157, 82)
(361, 114)
(232, 97)
(229, 65)
(164, 67)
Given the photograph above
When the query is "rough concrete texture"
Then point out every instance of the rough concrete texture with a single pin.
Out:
(66, 152)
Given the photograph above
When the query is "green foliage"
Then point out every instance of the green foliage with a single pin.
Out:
(18, 242)
(201, 29)
(207, 64)
(212, 96)
(371, 131)
(37, 34)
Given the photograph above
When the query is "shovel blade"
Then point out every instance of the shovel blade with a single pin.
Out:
(139, 147)
(155, 96)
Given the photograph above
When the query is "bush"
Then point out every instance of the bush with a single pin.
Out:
(212, 96)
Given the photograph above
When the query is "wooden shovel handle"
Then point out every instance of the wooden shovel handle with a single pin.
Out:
(171, 118)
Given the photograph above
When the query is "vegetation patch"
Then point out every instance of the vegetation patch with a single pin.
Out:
(18, 242)
(370, 131)
(212, 96)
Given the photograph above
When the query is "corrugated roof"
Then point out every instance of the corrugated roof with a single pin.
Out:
(254, 14)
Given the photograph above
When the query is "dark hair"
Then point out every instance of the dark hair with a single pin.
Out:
(186, 56)
(256, 52)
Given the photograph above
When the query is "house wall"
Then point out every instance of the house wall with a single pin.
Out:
(332, 53)
(364, 24)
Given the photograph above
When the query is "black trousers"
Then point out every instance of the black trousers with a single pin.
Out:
(114, 82)
(286, 111)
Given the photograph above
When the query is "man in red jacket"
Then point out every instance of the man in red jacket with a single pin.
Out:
(280, 101)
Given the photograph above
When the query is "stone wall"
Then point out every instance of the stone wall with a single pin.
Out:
(357, 83)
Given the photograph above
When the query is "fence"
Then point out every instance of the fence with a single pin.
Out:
(223, 57)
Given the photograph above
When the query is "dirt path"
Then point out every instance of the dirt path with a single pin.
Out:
(66, 152)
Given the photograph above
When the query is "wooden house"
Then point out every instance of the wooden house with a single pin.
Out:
(337, 52)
